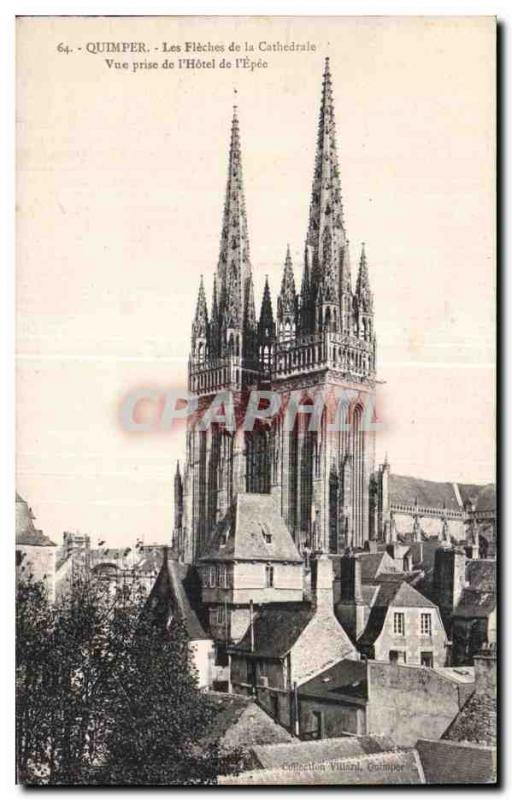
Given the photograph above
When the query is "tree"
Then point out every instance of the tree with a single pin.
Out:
(103, 697)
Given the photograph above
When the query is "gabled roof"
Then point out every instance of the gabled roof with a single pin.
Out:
(347, 677)
(475, 604)
(276, 629)
(481, 574)
(400, 593)
(392, 767)
(280, 756)
(371, 565)
(397, 594)
(168, 600)
(240, 722)
(475, 722)
(407, 490)
(483, 497)
(252, 529)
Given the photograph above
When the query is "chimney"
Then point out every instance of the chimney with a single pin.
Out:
(350, 609)
(485, 673)
(350, 579)
(322, 578)
(449, 577)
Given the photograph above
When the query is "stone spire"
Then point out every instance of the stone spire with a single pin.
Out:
(200, 324)
(363, 301)
(306, 310)
(234, 270)
(250, 327)
(326, 234)
(178, 498)
(266, 333)
(363, 291)
(287, 300)
(266, 324)
(215, 322)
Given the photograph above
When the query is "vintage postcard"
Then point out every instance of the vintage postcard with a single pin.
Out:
(256, 522)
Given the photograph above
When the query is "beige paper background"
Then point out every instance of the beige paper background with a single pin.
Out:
(120, 190)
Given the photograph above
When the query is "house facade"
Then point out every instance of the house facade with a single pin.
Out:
(287, 644)
(387, 618)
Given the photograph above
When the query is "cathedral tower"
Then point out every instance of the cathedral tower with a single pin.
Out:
(323, 477)
(321, 342)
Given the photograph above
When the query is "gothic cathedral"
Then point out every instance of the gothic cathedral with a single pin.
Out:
(321, 338)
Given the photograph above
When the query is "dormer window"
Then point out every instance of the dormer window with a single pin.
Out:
(267, 536)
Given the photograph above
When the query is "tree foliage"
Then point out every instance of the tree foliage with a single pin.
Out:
(104, 696)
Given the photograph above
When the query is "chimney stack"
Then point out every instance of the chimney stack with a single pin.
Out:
(322, 578)
(449, 577)
(350, 579)
(350, 609)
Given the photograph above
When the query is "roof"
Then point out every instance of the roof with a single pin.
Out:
(401, 767)
(168, 599)
(252, 529)
(392, 593)
(406, 490)
(445, 762)
(372, 564)
(26, 532)
(475, 603)
(400, 593)
(481, 574)
(318, 751)
(240, 722)
(483, 497)
(475, 722)
(347, 677)
(277, 626)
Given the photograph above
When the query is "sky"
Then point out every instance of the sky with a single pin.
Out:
(120, 188)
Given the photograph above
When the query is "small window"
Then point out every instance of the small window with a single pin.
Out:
(212, 577)
(399, 623)
(427, 659)
(267, 536)
(269, 576)
(221, 576)
(221, 615)
(398, 656)
(426, 624)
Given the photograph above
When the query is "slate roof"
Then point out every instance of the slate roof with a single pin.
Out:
(484, 497)
(319, 751)
(347, 677)
(481, 574)
(371, 565)
(405, 490)
(26, 532)
(240, 722)
(392, 593)
(242, 533)
(475, 722)
(168, 599)
(446, 762)
(475, 604)
(401, 767)
(277, 626)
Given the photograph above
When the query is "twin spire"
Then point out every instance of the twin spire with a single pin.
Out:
(326, 290)
(326, 234)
